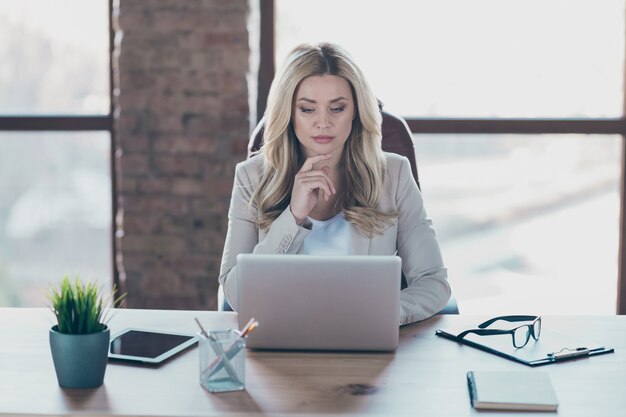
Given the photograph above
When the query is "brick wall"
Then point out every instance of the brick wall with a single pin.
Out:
(182, 123)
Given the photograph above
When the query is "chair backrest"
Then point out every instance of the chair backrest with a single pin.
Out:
(397, 138)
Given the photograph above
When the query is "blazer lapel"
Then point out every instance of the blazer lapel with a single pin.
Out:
(360, 243)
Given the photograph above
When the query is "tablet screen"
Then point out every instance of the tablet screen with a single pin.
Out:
(148, 346)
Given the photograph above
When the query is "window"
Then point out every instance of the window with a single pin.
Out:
(55, 57)
(526, 221)
(485, 58)
(55, 147)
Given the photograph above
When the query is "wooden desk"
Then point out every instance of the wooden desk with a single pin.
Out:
(425, 377)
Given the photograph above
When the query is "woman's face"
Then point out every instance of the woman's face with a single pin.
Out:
(322, 114)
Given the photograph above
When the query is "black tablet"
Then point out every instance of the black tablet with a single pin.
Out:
(149, 346)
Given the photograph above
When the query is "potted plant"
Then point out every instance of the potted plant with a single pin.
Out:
(80, 341)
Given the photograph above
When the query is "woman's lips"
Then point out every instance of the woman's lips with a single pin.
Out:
(323, 139)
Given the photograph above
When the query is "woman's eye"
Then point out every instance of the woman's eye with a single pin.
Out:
(337, 109)
(306, 110)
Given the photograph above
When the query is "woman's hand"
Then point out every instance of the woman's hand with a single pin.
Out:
(309, 185)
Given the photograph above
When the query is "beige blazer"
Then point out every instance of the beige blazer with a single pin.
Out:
(411, 237)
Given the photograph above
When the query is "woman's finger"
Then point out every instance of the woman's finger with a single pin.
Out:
(308, 164)
(317, 174)
(326, 170)
(312, 184)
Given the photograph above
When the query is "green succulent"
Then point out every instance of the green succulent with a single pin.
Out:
(81, 308)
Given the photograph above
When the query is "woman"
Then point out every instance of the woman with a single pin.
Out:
(322, 184)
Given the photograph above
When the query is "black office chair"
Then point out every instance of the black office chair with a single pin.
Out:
(397, 138)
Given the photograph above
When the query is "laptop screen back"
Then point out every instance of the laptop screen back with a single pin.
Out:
(320, 302)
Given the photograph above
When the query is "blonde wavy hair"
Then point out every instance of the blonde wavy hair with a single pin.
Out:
(362, 157)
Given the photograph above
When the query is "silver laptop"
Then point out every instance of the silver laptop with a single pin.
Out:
(308, 302)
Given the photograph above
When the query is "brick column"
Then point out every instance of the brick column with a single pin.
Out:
(182, 123)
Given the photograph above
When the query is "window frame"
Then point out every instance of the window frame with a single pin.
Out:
(602, 126)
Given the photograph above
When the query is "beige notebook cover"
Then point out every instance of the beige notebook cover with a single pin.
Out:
(511, 390)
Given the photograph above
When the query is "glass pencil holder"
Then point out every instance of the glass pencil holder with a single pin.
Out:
(223, 361)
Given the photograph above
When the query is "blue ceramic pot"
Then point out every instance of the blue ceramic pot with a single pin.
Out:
(80, 360)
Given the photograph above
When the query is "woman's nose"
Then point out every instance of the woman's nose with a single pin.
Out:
(323, 121)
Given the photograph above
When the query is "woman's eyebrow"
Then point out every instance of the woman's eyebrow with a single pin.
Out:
(310, 100)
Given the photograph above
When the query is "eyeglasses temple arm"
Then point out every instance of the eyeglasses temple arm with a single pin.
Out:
(482, 332)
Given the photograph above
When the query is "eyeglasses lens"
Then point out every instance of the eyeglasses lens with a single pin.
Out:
(520, 336)
(537, 329)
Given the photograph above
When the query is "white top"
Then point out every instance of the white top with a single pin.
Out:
(328, 237)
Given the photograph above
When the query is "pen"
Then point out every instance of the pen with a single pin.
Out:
(567, 353)
(224, 360)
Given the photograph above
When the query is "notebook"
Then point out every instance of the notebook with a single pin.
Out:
(515, 391)
(307, 302)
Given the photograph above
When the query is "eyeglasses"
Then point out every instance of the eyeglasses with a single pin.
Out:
(521, 334)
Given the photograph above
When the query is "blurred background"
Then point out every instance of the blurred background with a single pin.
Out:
(55, 187)
(526, 222)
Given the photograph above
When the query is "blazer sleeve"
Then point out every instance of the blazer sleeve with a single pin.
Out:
(427, 290)
(284, 235)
